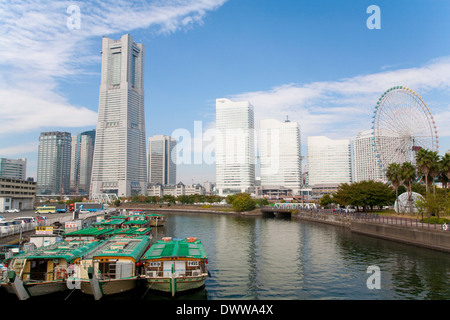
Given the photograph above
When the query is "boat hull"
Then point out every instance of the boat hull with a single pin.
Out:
(111, 286)
(8, 287)
(39, 289)
(44, 288)
(181, 284)
(156, 223)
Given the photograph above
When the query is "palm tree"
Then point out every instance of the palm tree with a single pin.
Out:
(444, 169)
(408, 175)
(434, 168)
(424, 164)
(393, 174)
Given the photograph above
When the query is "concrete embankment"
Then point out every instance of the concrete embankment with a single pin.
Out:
(433, 239)
(410, 234)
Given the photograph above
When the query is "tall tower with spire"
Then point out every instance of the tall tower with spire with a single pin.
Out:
(119, 164)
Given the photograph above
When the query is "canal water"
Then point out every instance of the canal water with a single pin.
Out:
(257, 258)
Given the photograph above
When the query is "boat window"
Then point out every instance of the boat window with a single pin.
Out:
(115, 270)
(38, 269)
(107, 269)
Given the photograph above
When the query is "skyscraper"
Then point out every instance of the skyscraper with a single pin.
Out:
(119, 164)
(13, 168)
(365, 161)
(53, 169)
(235, 165)
(162, 166)
(81, 162)
(280, 155)
(329, 161)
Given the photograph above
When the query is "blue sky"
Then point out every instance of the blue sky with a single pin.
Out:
(314, 61)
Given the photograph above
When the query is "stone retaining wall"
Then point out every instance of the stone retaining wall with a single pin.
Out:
(433, 239)
(427, 238)
(337, 220)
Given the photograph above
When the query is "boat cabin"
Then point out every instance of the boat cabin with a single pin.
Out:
(183, 257)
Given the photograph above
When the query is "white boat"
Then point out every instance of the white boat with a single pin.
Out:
(111, 267)
(44, 270)
(175, 265)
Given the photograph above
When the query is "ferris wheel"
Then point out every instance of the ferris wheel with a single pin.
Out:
(402, 124)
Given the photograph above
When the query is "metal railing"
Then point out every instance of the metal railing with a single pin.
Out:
(376, 218)
(31, 226)
(166, 274)
(17, 228)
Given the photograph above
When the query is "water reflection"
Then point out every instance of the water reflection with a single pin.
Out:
(254, 258)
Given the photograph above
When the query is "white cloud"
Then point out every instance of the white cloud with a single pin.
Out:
(342, 108)
(39, 49)
(19, 149)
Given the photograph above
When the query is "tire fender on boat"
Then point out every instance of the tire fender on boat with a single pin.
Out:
(61, 274)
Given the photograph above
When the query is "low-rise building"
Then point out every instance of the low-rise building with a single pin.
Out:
(17, 194)
(320, 189)
(175, 190)
(194, 189)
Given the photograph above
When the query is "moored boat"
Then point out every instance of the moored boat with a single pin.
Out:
(94, 233)
(44, 270)
(175, 265)
(109, 223)
(111, 268)
(136, 222)
(156, 219)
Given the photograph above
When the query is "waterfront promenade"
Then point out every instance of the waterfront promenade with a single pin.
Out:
(403, 229)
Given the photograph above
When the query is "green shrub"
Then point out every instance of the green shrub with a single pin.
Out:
(435, 220)
(243, 202)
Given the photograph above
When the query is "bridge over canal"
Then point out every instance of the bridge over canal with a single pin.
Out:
(285, 209)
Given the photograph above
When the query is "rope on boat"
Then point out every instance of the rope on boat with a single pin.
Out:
(70, 293)
(147, 290)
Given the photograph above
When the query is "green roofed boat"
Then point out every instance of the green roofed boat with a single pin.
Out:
(94, 233)
(113, 267)
(45, 270)
(175, 265)
(110, 223)
(156, 219)
(132, 231)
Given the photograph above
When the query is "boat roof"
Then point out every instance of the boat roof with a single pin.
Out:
(68, 250)
(154, 215)
(94, 231)
(118, 217)
(137, 217)
(176, 248)
(108, 222)
(131, 231)
(118, 246)
(135, 222)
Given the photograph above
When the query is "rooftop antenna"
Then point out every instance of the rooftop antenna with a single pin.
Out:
(287, 119)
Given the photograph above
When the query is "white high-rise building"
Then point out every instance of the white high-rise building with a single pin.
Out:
(329, 161)
(235, 153)
(13, 168)
(162, 167)
(364, 158)
(119, 164)
(280, 155)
